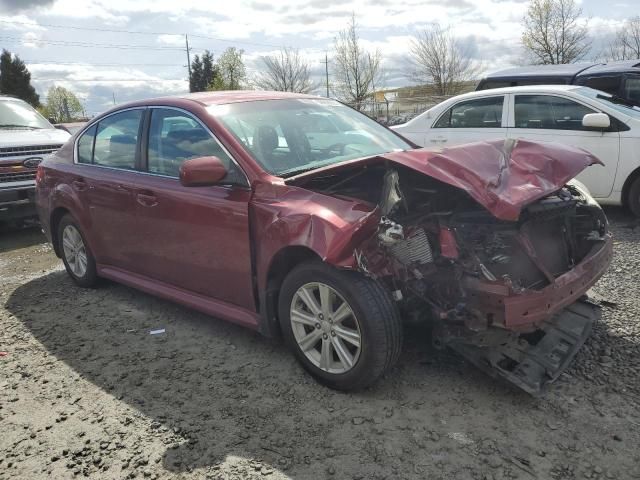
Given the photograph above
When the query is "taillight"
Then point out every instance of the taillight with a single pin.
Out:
(448, 244)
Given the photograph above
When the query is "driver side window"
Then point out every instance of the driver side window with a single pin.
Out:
(175, 137)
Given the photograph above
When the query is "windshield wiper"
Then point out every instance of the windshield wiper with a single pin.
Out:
(15, 125)
(306, 168)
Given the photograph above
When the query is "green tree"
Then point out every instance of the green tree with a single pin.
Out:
(203, 72)
(195, 81)
(62, 105)
(231, 73)
(15, 79)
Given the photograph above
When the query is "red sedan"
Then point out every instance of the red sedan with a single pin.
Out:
(296, 215)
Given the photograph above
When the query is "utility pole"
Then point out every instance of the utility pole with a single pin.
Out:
(326, 71)
(114, 97)
(186, 41)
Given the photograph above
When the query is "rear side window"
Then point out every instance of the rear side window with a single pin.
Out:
(478, 113)
(549, 112)
(117, 139)
(610, 84)
(632, 89)
(85, 145)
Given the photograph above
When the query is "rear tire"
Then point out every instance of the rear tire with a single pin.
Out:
(633, 200)
(76, 255)
(355, 320)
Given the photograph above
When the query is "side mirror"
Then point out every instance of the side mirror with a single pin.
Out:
(596, 120)
(202, 171)
(52, 120)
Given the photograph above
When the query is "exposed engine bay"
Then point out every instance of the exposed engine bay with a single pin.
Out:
(493, 289)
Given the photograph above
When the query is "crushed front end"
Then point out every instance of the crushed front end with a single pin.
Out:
(507, 294)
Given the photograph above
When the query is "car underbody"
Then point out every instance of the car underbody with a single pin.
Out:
(506, 293)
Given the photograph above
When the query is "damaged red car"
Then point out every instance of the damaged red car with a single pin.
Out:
(297, 215)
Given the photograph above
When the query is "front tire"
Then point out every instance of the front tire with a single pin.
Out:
(76, 255)
(633, 200)
(342, 326)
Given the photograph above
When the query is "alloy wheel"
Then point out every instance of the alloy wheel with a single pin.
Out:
(325, 328)
(75, 252)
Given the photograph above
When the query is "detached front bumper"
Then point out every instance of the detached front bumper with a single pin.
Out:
(533, 363)
(527, 310)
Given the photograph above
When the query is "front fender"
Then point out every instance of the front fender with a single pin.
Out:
(329, 226)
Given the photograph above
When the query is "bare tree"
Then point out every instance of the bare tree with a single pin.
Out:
(441, 60)
(626, 45)
(285, 72)
(554, 32)
(358, 72)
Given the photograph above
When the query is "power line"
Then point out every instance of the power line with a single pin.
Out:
(98, 80)
(109, 30)
(40, 62)
(65, 43)
(93, 29)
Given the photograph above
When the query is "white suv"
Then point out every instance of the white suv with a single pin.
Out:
(606, 126)
(26, 138)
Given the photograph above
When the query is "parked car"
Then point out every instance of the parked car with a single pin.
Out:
(70, 127)
(579, 116)
(621, 79)
(26, 138)
(331, 246)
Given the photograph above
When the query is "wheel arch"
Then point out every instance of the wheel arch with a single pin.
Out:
(54, 221)
(285, 260)
(627, 185)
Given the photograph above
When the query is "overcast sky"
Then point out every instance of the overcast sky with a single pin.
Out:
(55, 40)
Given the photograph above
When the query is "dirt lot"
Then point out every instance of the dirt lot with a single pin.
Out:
(87, 391)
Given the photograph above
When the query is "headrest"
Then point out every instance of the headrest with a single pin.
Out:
(267, 138)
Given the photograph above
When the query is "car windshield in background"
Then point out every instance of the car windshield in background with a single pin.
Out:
(614, 102)
(292, 136)
(17, 114)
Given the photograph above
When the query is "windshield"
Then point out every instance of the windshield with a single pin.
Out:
(19, 114)
(610, 100)
(287, 137)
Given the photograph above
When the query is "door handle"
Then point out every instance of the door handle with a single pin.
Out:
(439, 140)
(79, 184)
(147, 199)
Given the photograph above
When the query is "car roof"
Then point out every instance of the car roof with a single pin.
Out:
(519, 89)
(621, 66)
(219, 98)
(562, 70)
(11, 98)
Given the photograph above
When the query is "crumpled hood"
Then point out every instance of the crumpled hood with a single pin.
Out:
(502, 176)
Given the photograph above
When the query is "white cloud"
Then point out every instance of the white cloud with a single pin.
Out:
(491, 27)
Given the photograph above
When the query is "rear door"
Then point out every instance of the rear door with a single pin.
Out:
(194, 238)
(108, 157)
(555, 118)
(471, 120)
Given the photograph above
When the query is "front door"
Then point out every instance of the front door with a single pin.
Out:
(194, 238)
(552, 118)
(107, 159)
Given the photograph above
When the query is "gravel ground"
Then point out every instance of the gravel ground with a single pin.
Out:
(86, 391)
